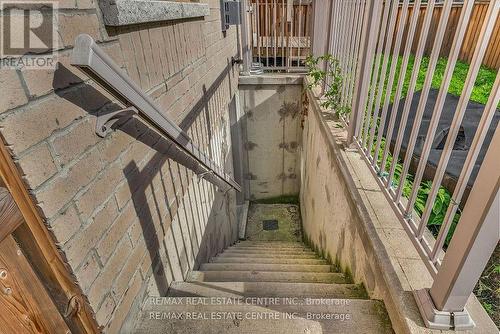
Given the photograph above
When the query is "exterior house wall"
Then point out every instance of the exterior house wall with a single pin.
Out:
(271, 146)
(127, 216)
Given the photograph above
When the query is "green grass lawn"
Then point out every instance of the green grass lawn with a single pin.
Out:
(480, 92)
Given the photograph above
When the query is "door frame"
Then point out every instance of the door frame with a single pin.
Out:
(67, 295)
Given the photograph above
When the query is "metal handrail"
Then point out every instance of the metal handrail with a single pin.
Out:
(92, 60)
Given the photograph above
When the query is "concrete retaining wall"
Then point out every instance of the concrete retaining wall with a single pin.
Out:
(271, 131)
(347, 218)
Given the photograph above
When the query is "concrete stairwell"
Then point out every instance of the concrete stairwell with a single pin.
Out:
(265, 287)
(270, 283)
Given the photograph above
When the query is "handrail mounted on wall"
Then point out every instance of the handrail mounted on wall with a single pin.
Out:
(92, 60)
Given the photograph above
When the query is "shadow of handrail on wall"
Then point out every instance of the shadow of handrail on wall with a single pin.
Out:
(193, 246)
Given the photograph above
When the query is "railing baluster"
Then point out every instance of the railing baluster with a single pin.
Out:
(371, 20)
(283, 23)
(484, 37)
(275, 38)
(388, 89)
(300, 32)
(353, 53)
(399, 90)
(357, 42)
(473, 243)
(266, 35)
(348, 44)
(375, 71)
(477, 142)
(257, 19)
(411, 88)
(438, 107)
(381, 85)
(436, 48)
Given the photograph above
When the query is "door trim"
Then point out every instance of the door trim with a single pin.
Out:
(81, 321)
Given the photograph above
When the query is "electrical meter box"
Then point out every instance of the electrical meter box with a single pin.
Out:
(230, 13)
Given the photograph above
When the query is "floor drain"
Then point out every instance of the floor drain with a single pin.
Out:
(269, 225)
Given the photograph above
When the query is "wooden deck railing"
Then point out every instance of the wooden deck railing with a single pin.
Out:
(279, 33)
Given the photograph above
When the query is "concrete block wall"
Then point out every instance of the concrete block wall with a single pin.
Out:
(127, 216)
(272, 142)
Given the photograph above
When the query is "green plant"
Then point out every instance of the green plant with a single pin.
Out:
(440, 205)
(332, 80)
(480, 92)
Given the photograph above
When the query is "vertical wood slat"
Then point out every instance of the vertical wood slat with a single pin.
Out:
(281, 30)
(10, 216)
(492, 56)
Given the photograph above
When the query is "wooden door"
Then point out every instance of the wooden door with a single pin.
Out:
(25, 305)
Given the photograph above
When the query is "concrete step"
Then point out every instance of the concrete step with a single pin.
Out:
(265, 267)
(263, 276)
(265, 260)
(270, 244)
(268, 255)
(270, 249)
(265, 289)
(341, 316)
(265, 251)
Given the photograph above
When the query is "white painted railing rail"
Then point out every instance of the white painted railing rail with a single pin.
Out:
(368, 39)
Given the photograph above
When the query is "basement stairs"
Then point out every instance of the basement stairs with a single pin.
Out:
(271, 282)
(274, 287)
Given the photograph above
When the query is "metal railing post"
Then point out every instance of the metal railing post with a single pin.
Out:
(368, 44)
(475, 238)
(245, 46)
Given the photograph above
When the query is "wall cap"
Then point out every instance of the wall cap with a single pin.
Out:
(127, 12)
(272, 79)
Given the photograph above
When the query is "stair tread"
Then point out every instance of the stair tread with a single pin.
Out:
(266, 267)
(263, 276)
(281, 260)
(270, 243)
(271, 249)
(257, 253)
(360, 316)
(267, 289)
(269, 255)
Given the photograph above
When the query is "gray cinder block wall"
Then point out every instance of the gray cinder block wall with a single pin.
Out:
(272, 115)
(128, 218)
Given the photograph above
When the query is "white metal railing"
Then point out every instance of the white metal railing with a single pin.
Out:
(278, 33)
(371, 39)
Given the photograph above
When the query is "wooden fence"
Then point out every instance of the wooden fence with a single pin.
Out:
(280, 31)
(492, 56)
